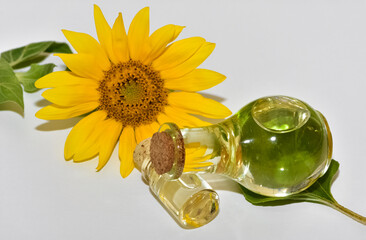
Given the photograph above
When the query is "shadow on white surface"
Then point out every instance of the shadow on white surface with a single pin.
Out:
(54, 125)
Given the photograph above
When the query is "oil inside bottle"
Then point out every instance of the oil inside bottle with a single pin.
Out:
(274, 146)
(189, 199)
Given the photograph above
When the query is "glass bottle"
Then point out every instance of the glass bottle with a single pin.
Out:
(274, 146)
(189, 199)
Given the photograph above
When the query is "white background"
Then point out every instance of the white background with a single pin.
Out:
(312, 50)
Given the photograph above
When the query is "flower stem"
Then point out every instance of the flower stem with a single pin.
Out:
(347, 212)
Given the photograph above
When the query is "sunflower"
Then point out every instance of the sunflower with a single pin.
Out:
(126, 85)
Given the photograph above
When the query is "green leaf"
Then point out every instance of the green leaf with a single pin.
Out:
(10, 88)
(57, 47)
(33, 53)
(35, 72)
(319, 192)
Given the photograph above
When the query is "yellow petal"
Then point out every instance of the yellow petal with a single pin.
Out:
(83, 65)
(90, 147)
(138, 34)
(89, 151)
(162, 118)
(160, 39)
(146, 131)
(196, 104)
(189, 65)
(119, 39)
(64, 78)
(127, 145)
(81, 132)
(196, 156)
(195, 152)
(188, 167)
(84, 43)
(71, 95)
(55, 112)
(197, 80)
(178, 52)
(104, 33)
(183, 119)
(108, 141)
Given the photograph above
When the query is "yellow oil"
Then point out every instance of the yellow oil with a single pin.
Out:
(275, 146)
(189, 199)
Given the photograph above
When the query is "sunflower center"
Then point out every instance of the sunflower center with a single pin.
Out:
(132, 93)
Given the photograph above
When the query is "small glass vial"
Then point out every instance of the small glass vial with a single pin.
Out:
(189, 198)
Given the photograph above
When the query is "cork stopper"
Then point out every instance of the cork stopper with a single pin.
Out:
(142, 151)
(164, 152)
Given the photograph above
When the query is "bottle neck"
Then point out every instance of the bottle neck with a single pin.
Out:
(209, 149)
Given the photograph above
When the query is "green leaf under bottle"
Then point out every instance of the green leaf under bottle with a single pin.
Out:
(319, 192)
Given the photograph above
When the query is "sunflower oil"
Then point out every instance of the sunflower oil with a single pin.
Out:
(189, 199)
(274, 146)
